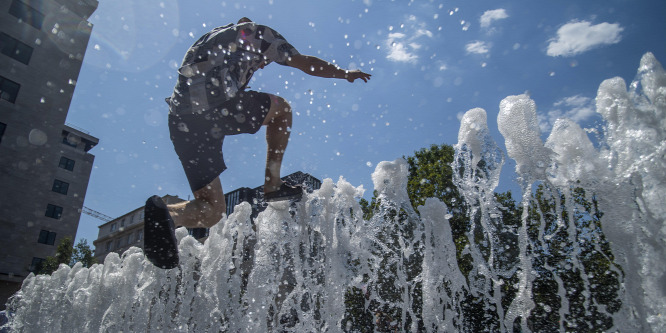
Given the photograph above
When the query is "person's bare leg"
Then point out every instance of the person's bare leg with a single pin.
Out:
(204, 211)
(278, 127)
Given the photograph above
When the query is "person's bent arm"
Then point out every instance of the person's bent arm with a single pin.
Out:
(318, 67)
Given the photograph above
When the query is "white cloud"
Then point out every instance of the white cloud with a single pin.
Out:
(577, 37)
(578, 108)
(492, 15)
(400, 53)
(398, 50)
(423, 32)
(415, 46)
(403, 46)
(477, 47)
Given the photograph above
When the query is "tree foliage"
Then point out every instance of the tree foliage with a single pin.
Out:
(431, 176)
(68, 254)
(63, 255)
(571, 253)
(83, 254)
(573, 270)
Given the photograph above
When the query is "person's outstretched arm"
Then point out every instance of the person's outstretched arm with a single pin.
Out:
(321, 68)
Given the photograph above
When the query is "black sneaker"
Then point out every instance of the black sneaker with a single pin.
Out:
(285, 192)
(159, 242)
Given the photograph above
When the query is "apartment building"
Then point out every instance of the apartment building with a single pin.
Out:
(45, 164)
(123, 232)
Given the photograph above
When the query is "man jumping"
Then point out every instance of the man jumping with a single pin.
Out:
(210, 102)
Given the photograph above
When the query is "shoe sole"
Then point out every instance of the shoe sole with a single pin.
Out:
(160, 245)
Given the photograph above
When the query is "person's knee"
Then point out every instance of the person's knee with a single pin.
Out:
(286, 108)
(280, 106)
(285, 112)
(279, 112)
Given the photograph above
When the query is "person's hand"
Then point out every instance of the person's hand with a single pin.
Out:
(351, 76)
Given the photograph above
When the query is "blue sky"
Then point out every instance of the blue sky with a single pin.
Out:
(431, 61)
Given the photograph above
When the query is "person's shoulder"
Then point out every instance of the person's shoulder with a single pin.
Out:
(215, 32)
(254, 26)
(223, 27)
(248, 25)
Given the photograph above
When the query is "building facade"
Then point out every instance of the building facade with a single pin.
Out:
(126, 231)
(45, 164)
(123, 232)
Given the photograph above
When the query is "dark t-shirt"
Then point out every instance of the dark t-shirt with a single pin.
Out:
(222, 62)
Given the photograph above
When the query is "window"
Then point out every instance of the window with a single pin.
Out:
(113, 227)
(119, 243)
(3, 126)
(109, 246)
(46, 237)
(53, 211)
(122, 223)
(197, 232)
(66, 163)
(8, 89)
(14, 48)
(27, 14)
(139, 235)
(43, 236)
(60, 187)
(129, 238)
(36, 264)
(70, 139)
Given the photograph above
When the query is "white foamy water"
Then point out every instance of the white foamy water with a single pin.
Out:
(586, 252)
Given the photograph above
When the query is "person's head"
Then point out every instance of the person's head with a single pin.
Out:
(244, 20)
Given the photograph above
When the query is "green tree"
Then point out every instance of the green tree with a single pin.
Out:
(369, 207)
(68, 254)
(63, 256)
(83, 254)
(571, 253)
(430, 176)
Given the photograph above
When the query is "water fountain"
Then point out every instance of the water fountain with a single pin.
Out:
(583, 250)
